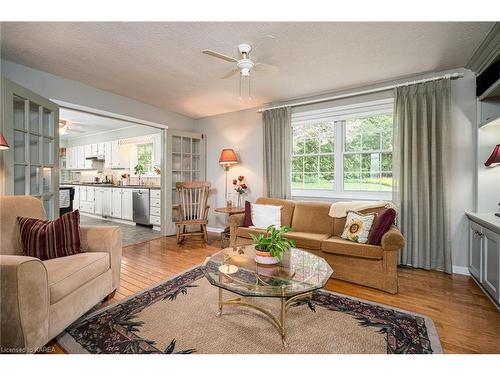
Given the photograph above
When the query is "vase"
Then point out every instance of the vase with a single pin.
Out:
(240, 199)
(265, 257)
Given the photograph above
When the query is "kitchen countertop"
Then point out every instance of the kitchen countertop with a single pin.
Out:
(486, 219)
(109, 185)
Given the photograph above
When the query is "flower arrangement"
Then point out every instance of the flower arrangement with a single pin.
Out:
(240, 186)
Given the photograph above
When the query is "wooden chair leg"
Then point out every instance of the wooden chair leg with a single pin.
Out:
(178, 234)
(205, 233)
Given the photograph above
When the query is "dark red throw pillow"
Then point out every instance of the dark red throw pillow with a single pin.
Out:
(45, 239)
(248, 215)
(384, 221)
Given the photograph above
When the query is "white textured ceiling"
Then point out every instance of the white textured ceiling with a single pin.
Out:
(162, 64)
(83, 124)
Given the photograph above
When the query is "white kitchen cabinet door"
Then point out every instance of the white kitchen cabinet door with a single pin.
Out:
(115, 156)
(98, 199)
(80, 157)
(108, 162)
(83, 194)
(106, 202)
(491, 256)
(74, 157)
(116, 203)
(93, 149)
(76, 200)
(100, 149)
(87, 153)
(127, 207)
(90, 194)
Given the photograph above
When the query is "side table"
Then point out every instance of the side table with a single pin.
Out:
(225, 235)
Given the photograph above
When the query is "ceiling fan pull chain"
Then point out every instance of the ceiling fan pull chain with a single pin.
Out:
(240, 86)
(249, 88)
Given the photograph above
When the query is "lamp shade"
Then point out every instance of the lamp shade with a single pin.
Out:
(228, 156)
(494, 157)
(3, 143)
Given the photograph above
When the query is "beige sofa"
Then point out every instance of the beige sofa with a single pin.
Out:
(39, 299)
(314, 230)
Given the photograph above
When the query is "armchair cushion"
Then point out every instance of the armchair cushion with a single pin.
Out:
(67, 274)
(45, 239)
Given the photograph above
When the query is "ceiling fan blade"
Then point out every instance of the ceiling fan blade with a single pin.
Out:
(219, 55)
(231, 73)
(263, 67)
(73, 130)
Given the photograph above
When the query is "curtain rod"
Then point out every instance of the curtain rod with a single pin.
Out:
(364, 92)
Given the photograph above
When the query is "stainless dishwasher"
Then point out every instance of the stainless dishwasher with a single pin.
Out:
(140, 199)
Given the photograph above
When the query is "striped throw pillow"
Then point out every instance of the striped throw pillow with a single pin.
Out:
(45, 239)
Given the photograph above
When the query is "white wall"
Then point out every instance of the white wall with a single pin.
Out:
(59, 88)
(241, 131)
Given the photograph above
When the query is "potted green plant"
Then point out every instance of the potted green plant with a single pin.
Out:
(270, 247)
(139, 170)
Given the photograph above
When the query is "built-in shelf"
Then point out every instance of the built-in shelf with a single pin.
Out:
(492, 92)
(490, 121)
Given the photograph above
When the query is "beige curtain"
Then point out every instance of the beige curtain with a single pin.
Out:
(277, 141)
(421, 173)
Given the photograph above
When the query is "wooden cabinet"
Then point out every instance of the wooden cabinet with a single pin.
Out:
(491, 264)
(475, 250)
(127, 205)
(484, 255)
(116, 203)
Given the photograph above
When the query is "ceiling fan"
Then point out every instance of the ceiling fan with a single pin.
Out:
(244, 65)
(66, 126)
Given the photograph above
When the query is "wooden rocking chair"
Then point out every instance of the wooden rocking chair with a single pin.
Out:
(192, 208)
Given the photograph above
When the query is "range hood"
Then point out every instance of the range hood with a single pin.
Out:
(98, 158)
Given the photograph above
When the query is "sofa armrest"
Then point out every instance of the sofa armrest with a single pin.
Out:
(392, 240)
(235, 221)
(106, 239)
(24, 303)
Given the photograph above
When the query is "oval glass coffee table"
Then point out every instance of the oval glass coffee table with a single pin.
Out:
(292, 281)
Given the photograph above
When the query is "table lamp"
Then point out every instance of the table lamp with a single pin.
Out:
(227, 158)
(3, 143)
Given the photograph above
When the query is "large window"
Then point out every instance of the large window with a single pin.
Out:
(344, 152)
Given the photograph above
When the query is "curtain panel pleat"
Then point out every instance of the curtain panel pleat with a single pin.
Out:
(277, 150)
(422, 173)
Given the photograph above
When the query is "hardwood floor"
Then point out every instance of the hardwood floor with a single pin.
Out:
(466, 320)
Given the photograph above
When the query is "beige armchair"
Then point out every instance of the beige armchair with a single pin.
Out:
(39, 299)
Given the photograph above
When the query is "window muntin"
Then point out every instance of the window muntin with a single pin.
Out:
(313, 159)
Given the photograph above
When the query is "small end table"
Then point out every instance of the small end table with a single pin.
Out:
(225, 235)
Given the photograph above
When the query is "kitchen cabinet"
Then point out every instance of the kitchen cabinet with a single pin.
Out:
(491, 265)
(155, 208)
(87, 153)
(127, 205)
(87, 196)
(98, 200)
(116, 203)
(106, 202)
(484, 252)
(93, 150)
(80, 157)
(100, 149)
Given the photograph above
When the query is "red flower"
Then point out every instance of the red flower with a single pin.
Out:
(241, 178)
(243, 186)
(234, 182)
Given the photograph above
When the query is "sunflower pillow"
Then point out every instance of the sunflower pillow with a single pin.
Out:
(357, 226)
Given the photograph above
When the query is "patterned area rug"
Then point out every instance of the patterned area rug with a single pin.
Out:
(180, 316)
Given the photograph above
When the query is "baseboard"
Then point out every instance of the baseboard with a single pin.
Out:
(461, 270)
(215, 229)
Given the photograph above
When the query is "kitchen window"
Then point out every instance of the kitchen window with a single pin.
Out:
(343, 152)
(145, 156)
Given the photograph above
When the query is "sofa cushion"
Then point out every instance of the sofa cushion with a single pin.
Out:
(339, 222)
(304, 240)
(312, 217)
(287, 208)
(336, 245)
(66, 274)
(245, 232)
(48, 239)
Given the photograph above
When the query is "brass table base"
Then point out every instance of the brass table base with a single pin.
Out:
(279, 323)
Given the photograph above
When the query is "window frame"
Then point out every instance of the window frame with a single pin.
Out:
(339, 115)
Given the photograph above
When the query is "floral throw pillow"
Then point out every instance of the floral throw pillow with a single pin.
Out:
(357, 226)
